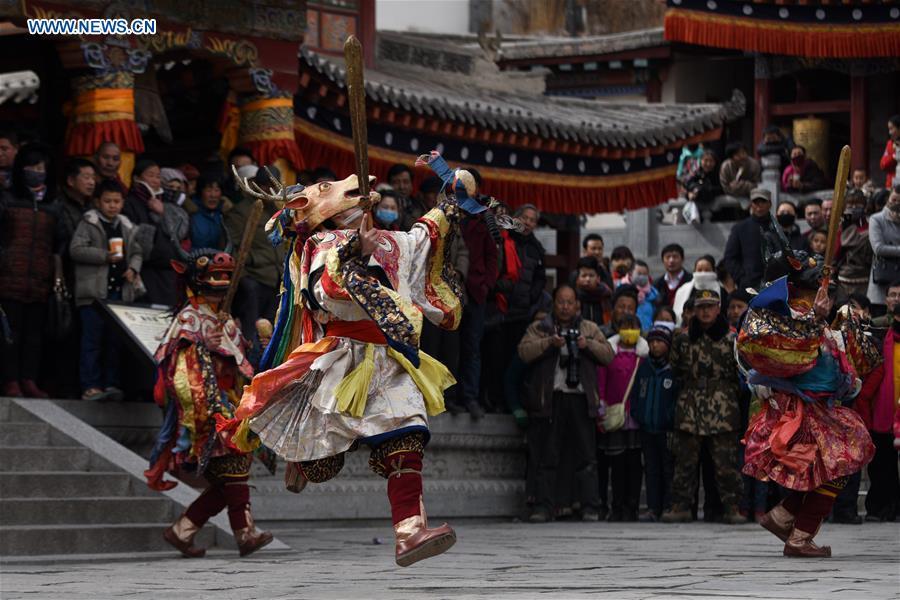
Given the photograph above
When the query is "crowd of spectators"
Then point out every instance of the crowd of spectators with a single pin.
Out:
(620, 378)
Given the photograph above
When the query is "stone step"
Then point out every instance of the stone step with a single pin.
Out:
(74, 511)
(366, 498)
(32, 540)
(44, 458)
(10, 411)
(28, 433)
(64, 484)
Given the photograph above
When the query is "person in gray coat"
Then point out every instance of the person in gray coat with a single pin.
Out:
(884, 236)
(108, 260)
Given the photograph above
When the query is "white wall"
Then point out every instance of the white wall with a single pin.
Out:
(431, 16)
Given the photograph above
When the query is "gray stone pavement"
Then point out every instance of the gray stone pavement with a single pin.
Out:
(499, 560)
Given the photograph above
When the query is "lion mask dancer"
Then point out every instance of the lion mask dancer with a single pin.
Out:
(202, 368)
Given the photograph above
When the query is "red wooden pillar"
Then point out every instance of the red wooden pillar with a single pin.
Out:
(760, 108)
(859, 123)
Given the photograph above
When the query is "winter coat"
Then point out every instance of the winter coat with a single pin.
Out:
(483, 260)
(888, 163)
(89, 250)
(646, 308)
(542, 358)
(884, 237)
(705, 185)
(265, 263)
(594, 303)
(704, 364)
(28, 239)
(524, 294)
(208, 229)
(664, 296)
(739, 179)
(654, 396)
(811, 177)
(744, 252)
(613, 379)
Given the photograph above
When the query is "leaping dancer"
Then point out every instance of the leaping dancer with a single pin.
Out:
(345, 368)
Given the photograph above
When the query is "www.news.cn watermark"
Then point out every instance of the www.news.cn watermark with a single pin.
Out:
(92, 26)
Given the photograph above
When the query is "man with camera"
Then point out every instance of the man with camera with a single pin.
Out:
(563, 352)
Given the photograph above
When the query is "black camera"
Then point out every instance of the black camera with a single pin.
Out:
(570, 335)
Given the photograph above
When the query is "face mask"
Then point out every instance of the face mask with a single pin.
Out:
(894, 208)
(622, 269)
(786, 219)
(629, 337)
(33, 179)
(386, 216)
(173, 196)
(798, 161)
(640, 280)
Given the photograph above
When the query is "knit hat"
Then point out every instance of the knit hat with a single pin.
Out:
(662, 331)
(168, 174)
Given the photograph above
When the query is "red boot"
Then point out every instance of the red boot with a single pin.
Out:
(181, 535)
(779, 521)
(416, 542)
(249, 539)
(31, 390)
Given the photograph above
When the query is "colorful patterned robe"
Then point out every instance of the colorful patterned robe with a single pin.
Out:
(197, 382)
(355, 372)
(802, 372)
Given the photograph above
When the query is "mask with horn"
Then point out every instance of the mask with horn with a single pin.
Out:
(315, 204)
(207, 271)
(803, 270)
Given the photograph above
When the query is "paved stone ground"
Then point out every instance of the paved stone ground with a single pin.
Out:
(500, 560)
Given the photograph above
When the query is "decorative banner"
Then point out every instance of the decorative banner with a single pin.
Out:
(813, 29)
(266, 128)
(103, 111)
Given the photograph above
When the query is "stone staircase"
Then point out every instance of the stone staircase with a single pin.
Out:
(472, 469)
(79, 493)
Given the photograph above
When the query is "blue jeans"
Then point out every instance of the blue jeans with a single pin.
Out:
(471, 332)
(659, 468)
(100, 351)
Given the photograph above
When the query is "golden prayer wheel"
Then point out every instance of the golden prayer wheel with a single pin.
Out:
(812, 134)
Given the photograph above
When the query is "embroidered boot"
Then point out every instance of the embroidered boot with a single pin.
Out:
(295, 479)
(415, 541)
(181, 535)
(248, 538)
(800, 544)
(779, 521)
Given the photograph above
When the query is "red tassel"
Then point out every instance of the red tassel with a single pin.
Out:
(768, 37)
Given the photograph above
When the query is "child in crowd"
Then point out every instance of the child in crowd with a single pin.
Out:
(619, 437)
(593, 294)
(687, 313)
(647, 293)
(107, 261)
(818, 240)
(207, 224)
(665, 314)
(621, 263)
(653, 398)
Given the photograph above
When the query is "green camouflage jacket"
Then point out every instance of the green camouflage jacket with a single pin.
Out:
(704, 363)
